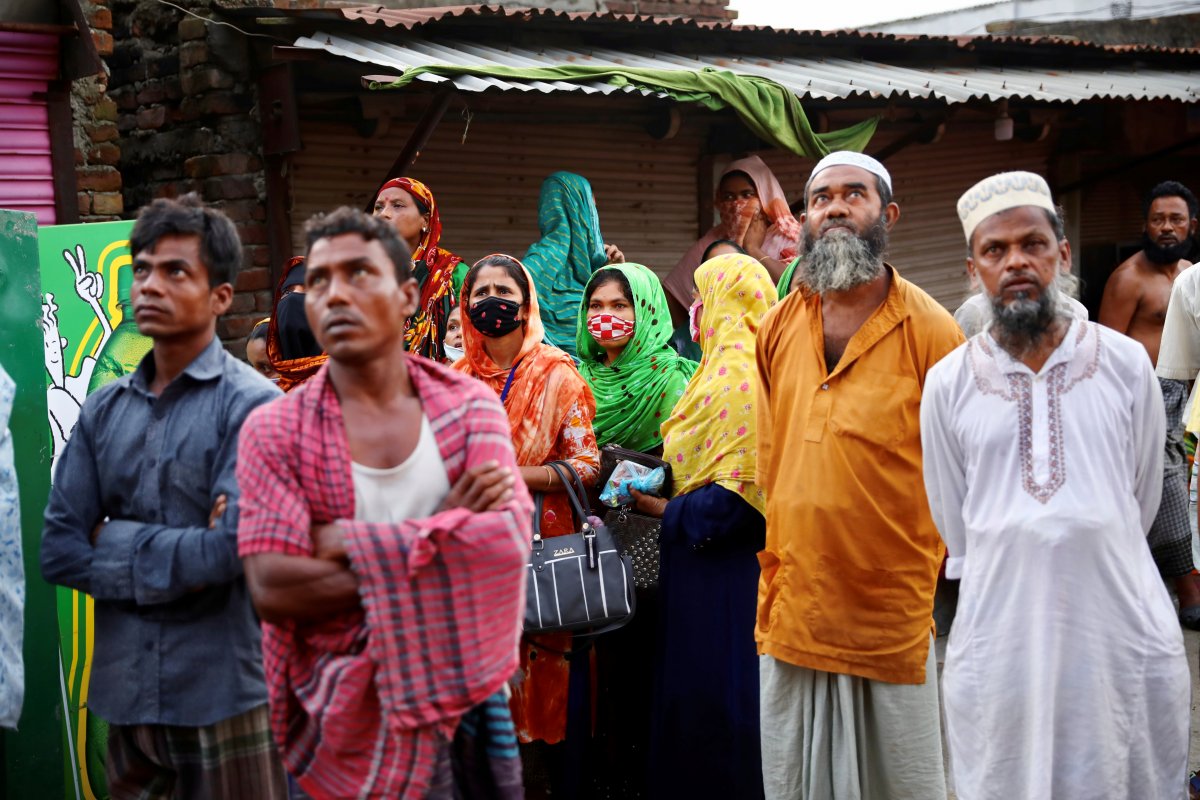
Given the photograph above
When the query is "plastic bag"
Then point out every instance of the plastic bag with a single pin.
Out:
(628, 475)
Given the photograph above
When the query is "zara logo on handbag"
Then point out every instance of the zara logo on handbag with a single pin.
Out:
(582, 584)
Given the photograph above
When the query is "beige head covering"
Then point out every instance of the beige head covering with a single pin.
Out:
(999, 193)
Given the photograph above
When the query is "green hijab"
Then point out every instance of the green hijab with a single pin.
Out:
(784, 287)
(570, 249)
(635, 395)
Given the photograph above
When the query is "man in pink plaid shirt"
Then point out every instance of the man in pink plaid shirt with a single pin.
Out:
(385, 532)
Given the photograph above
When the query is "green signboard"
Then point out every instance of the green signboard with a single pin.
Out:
(90, 339)
(33, 758)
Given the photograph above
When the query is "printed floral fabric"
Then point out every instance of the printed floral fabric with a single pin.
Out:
(710, 436)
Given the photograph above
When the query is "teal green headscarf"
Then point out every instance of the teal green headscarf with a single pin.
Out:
(570, 249)
(637, 392)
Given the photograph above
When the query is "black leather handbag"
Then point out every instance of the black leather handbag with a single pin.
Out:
(578, 582)
(637, 534)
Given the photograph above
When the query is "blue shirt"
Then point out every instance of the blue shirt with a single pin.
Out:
(12, 570)
(176, 639)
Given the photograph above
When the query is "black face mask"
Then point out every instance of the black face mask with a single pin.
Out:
(495, 317)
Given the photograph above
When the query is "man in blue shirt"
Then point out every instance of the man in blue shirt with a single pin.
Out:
(143, 516)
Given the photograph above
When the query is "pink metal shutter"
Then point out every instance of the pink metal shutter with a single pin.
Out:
(28, 62)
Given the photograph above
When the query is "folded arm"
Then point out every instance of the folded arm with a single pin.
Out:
(299, 588)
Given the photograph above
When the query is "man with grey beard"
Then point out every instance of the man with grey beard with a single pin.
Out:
(1065, 672)
(848, 678)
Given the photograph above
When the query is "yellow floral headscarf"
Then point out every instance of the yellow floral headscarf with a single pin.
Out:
(710, 436)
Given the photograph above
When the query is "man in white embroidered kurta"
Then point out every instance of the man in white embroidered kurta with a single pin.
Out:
(1065, 673)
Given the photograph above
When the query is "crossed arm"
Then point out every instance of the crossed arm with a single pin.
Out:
(307, 588)
(132, 560)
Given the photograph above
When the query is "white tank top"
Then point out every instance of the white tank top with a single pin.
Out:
(412, 489)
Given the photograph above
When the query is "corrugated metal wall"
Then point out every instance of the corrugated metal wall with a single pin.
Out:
(28, 62)
(645, 189)
(487, 188)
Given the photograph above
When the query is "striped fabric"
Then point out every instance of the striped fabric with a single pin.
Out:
(364, 704)
(233, 759)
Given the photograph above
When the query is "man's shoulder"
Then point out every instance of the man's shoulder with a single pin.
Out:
(245, 381)
(102, 401)
(952, 365)
(449, 389)
(1187, 282)
(921, 306)
(789, 306)
(1121, 347)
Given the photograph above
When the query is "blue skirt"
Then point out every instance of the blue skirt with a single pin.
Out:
(705, 735)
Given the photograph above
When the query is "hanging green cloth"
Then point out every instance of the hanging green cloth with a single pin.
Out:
(637, 392)
(770, 110)
(562, 261)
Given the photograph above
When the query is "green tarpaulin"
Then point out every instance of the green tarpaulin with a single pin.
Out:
(768, 109)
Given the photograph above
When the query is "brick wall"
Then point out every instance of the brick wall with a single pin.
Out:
(183, 98)
(97, 150)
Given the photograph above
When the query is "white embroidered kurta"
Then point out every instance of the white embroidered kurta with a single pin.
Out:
(1065, 672)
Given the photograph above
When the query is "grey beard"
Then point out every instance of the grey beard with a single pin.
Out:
(840, 261)
(1021, 325)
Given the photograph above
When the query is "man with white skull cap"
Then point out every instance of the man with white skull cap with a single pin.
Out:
(848, 677)
(1065, 673)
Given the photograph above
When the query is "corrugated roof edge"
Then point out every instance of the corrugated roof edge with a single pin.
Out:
(412, 18)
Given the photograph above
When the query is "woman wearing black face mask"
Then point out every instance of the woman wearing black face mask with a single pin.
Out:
(550, 409)
(291, 347)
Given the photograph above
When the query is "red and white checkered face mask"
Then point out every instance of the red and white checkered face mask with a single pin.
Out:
(606, 327)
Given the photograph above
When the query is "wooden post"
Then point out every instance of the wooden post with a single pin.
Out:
(419, 137)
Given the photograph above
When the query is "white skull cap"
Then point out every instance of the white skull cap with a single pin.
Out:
(849, 158)
(1001, 192)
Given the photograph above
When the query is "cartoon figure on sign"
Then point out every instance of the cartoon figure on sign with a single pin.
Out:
(90, 339)
(66, 393)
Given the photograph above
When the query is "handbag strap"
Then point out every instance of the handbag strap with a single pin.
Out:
(580, 510)
(573, 485)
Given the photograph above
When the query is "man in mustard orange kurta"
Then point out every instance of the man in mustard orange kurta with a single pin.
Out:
(849, 703)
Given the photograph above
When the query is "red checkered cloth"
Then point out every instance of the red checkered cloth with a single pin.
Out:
(363, 703)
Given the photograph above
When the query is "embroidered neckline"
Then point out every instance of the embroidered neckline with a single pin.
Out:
(1017, 386)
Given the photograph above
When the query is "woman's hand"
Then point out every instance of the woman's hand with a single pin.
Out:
(756, 234)
(649, 504)
(614, 254)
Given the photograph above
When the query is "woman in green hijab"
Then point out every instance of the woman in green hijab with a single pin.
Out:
(564, 258)
(622, 336)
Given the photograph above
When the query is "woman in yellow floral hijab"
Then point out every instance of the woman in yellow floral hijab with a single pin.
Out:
(705, 742)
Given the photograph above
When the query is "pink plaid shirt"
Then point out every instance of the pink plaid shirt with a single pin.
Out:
(362, 703)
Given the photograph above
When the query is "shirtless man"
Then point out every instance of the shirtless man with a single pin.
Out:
(1136, 295)
(1135, 303)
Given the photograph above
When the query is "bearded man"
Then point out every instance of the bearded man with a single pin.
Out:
(1065, 674)
(1136, 295)
(848, 697)
(1136, 303)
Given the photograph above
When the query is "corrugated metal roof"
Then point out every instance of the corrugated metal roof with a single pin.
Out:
(412, 18)
(819, 78)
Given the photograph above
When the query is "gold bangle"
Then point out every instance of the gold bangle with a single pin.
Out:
(549, 477)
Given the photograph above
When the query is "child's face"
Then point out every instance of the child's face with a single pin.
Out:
(454, 327)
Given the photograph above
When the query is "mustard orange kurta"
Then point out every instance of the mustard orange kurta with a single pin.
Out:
(852, 555)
